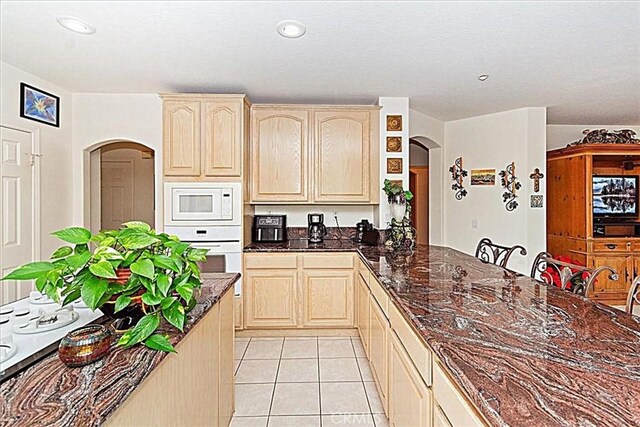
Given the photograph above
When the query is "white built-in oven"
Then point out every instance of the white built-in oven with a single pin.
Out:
(207, 203)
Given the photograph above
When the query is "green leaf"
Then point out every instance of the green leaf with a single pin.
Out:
(166, 263)
(93, 290)
(160, 343)
(197, 254)
(139, 225)
(144, 268)
(148, 284)
(62, 252)
(166, 303)
(108, 241)
(122, 302)
(33, 270)
(129, 258)
(185, 290)
(40, 283)
(141, 331)
(151, 299)
(103, 268)
(72, 296)
(175, 314)
(163, 283)
(108, 253)
(138, 240)
(177, 248)
(77, 261)
(74, 235)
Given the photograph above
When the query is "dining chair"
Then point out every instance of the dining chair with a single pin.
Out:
(575, 278)
(633, 297)
(492, 253)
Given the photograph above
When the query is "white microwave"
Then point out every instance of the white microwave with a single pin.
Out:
(202, 203)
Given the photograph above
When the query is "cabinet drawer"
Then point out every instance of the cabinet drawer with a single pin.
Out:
(380, 295)
(419, 354)
(611, 246)
(454, 405)
(270, 261)
(635, 246)
(328, 261)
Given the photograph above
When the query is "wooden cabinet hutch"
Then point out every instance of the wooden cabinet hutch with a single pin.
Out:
(571, 228)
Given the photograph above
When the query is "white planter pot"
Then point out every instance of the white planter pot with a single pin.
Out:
(398, 211)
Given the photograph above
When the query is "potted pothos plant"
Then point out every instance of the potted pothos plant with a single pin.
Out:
(130, 270)
(397, 198)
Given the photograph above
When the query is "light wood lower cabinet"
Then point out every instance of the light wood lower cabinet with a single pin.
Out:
(363, 311)
(409, 397)
(378, 348)
(195, 385)
(270, 298)
(327, 298)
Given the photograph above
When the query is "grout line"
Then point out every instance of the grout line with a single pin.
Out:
(275, 383)
(366, 395)
(319, 380)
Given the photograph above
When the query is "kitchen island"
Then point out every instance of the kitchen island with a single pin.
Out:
(520, 352)
(132, 386)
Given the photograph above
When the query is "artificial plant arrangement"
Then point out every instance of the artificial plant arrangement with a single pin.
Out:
(400, 234)
(133, 267)
(395, 193)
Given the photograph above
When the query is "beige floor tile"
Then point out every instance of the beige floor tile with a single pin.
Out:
(365, 370)
(374, 398)
(335, 347)
(296, 399)
(343, 398)
(257, 371)
(295, 421)
(360, 420)
(241, 346)
(300, 348)
(264, 348)
(339, 370)
(357, 346)
(298, 371)
(253, 399)
(380, 420)
(249, 422)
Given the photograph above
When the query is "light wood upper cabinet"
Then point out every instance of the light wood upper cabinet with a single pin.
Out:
(342, 156)
(280, 155)
(327, 298)
(223, 134)
(181, 134)
(204, 135)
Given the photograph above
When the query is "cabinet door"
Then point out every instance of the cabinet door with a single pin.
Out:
(280, 155)
(363, 312)
(605, 288)
(409, 397)
(181, 138)
(378, 348)
(270, 298)
(226, 349)
(343, 150)
(223, 137)
(327, 298)
(439, 418)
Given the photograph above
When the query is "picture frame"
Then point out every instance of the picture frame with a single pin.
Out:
(394, 165)
(394, 144)
(394, 123)
(483, 177)
(39, 106)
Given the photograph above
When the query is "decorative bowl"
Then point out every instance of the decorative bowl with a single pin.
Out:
(85, 345)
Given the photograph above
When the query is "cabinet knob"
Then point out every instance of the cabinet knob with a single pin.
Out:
(611, 246)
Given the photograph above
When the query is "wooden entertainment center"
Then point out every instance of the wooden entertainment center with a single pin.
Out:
(572, 229)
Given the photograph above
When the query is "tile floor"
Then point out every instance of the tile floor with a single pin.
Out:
(304, 382)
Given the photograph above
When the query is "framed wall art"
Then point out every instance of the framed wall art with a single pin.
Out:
(394, 165)
(483, 177)
(394, 144)
(394, 123)
(39, 106)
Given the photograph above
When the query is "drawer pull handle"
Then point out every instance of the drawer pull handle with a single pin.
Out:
(611, 246)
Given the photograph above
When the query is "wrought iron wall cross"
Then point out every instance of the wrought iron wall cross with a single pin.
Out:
(536, 176)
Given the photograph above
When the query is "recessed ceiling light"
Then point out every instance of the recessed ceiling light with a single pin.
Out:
(483, 77)
(76, 25)
(291, 29)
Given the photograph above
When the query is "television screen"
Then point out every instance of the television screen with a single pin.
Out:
(615, 195)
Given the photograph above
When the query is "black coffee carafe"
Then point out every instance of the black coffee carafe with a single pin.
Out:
(317, 229)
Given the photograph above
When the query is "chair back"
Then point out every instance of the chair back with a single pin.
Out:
(633, 297)
(492, 253)
(575, 278)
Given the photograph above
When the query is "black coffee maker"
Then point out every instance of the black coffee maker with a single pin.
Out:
(317, 230)
(361, 227)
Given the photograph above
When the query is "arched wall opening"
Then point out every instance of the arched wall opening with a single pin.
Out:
(118, 184)
(427, 155)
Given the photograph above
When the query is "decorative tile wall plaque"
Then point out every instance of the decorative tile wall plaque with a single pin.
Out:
(483, 177)
(510, 182)
(536, 201)
(536, 176)
(394, 165)
(397, 182)
(394, 123)
(457, 175)
(394, 144)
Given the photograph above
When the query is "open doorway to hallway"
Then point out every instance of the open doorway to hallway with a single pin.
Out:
(121, 185)
(419, 186)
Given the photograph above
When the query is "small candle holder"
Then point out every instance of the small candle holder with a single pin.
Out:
(85, 345)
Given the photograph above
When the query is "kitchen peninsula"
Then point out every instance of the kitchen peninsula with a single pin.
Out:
(138, 386)
(454, 341)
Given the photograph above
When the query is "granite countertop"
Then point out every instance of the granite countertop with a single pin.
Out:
(50, 394)
(526, 354)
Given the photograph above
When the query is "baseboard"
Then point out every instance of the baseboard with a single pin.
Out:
(249, 333)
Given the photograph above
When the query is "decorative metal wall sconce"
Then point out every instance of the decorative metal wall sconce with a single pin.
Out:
(536, 176)
(509, 181)
(457, 175)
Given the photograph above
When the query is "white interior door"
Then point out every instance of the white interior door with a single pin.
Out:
(116, 192)
(16, 207)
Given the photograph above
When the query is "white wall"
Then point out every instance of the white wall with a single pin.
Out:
(493, 141)
(418, 156)
(348, 216)
(558, 136)
(105, 117)
(55, 147)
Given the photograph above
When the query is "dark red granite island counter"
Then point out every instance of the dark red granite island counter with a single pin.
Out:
(50, 394)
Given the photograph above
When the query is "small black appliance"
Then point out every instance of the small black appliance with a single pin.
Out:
(361, 227)
(269, 228)
(317, 229)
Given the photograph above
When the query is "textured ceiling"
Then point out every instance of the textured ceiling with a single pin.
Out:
(581, 59)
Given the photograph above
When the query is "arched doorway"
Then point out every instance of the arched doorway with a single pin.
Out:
(419, 186)
(121, 184)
